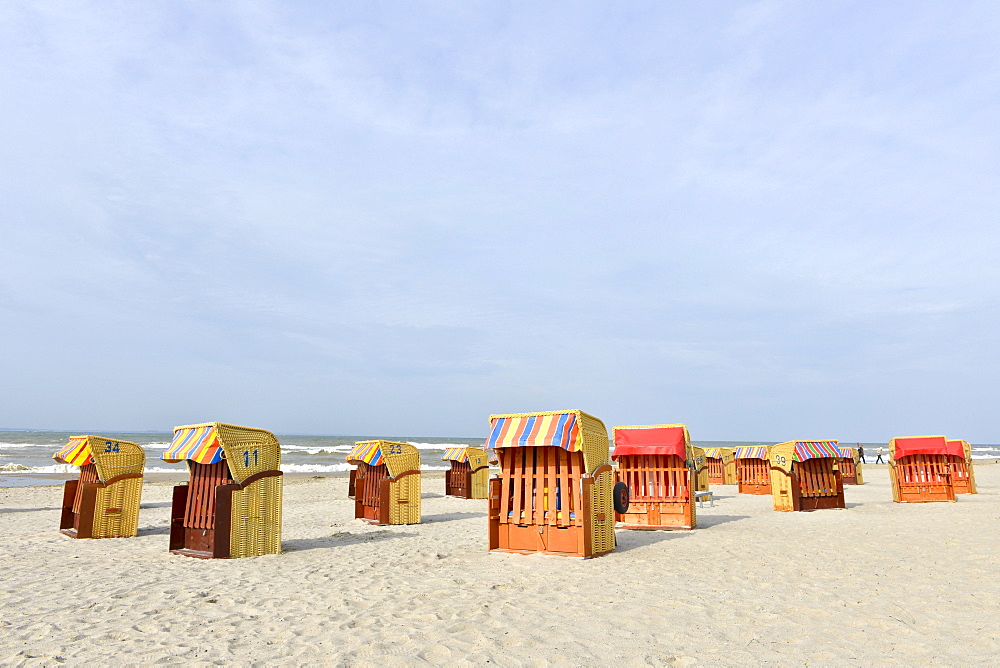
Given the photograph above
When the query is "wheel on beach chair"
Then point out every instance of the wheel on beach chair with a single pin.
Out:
(621, 497)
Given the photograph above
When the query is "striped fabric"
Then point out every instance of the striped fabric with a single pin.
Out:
(199, 444)
(713, 453)
(367, 452)
(460, 455)
(560, 430)
(846, 452)
(816, 450)
(76, 452)
(750, 452)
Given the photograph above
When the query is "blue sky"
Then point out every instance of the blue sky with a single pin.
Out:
(767, 220)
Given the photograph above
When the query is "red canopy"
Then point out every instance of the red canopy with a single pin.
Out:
(927, 445)
(651, 441)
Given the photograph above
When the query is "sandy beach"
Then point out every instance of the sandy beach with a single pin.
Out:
(879, 583)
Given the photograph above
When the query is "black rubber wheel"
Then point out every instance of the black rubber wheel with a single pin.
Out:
(620, 496)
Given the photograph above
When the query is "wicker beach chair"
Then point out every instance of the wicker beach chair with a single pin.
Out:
(850, 466)
(920, 468)
(698, 463)
(104, 501)
(387, 487)
(721, 466)
(963, 475)
(660, 467)
(805, 475)
(553, 494)
(469, 475)
(753, 471)
(231, 505)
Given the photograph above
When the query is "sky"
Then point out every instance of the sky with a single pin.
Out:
(766, 220)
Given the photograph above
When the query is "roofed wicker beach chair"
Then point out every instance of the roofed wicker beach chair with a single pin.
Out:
(850, 466)
(698, 463)
(387, 486)
(721, 466)
(231, 505)
(658, 465)
(753, 470)
(963, 475)
(468, 477)
(805, 475)
(920, 468)
(553, 494)
(104, 501)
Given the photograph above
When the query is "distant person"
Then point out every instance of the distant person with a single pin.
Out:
(861, 454)
(878, 460)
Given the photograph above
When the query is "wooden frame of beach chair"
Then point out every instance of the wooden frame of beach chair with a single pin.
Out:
(231, 505)
(387, 487)
(469, 475)
(850, 466)
(963, 475)
(805, 475)
(753, 469)
(553, 494)
(352, 480)
(660, 467)
(920, 469)
(104, 501)
(721, 466)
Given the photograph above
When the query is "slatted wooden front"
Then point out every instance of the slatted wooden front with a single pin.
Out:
(368, 487)
(200, 510)
(457, 478)
(88, 474)
(716, 470)
(542, 486)
(922, 470)
(655, 477)
(753, 471)
(817, 477)
(847, 468)
(960, 475)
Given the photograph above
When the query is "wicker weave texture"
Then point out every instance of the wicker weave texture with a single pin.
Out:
(116, 512)
(699, 467)
(596, 453)
(248, 450)
(481, 478)
(256, 519)
(405, 505)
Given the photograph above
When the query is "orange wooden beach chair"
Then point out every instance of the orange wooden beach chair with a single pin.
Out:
(387, 486)
(963, 475)
(659, 467)
(753, 470)
(920, 468)
(468, 477)
(104, 501)
(231, 505)
(721, 466)
(553, 494)
(805, 475)
(850, 466)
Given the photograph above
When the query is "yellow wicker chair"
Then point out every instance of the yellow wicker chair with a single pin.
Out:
(721, 466)
(468, 477)
(387, 485)
(554, 491)
(104, 501)
(231, 506)
(805, 475)
(699, 466)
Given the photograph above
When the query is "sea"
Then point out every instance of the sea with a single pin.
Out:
(26, 456)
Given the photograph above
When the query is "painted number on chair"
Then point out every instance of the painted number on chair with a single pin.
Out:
(395, 449)
(111, 447)
(781, 460)
(246, 458)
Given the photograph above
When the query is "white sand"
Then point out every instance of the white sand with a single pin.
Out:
(878, 583)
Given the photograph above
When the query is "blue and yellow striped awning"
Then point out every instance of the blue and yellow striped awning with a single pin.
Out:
(198, 444)
(460, 455)
(560, 430)
(367, 452)
(76, 452)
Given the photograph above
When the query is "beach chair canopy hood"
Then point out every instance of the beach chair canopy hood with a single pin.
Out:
(670, 439)
(197, 443)
(846, 452)
(956, 446)
(750, 452)
(716, 453)
(397, 457)
(460, 455)
(925, 445)
(784, 454)
(368, 452)
(561, 430)
(76, 452)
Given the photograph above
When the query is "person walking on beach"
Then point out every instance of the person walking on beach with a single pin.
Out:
(861, 454)
(878, 459)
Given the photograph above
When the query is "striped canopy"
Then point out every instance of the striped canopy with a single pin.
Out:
(816, 450)
(846, 452)
(560, 430)
(714, 453)
(198, 444)
(367, 452)
(750, 452)
(459, 455)
(76, 452)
